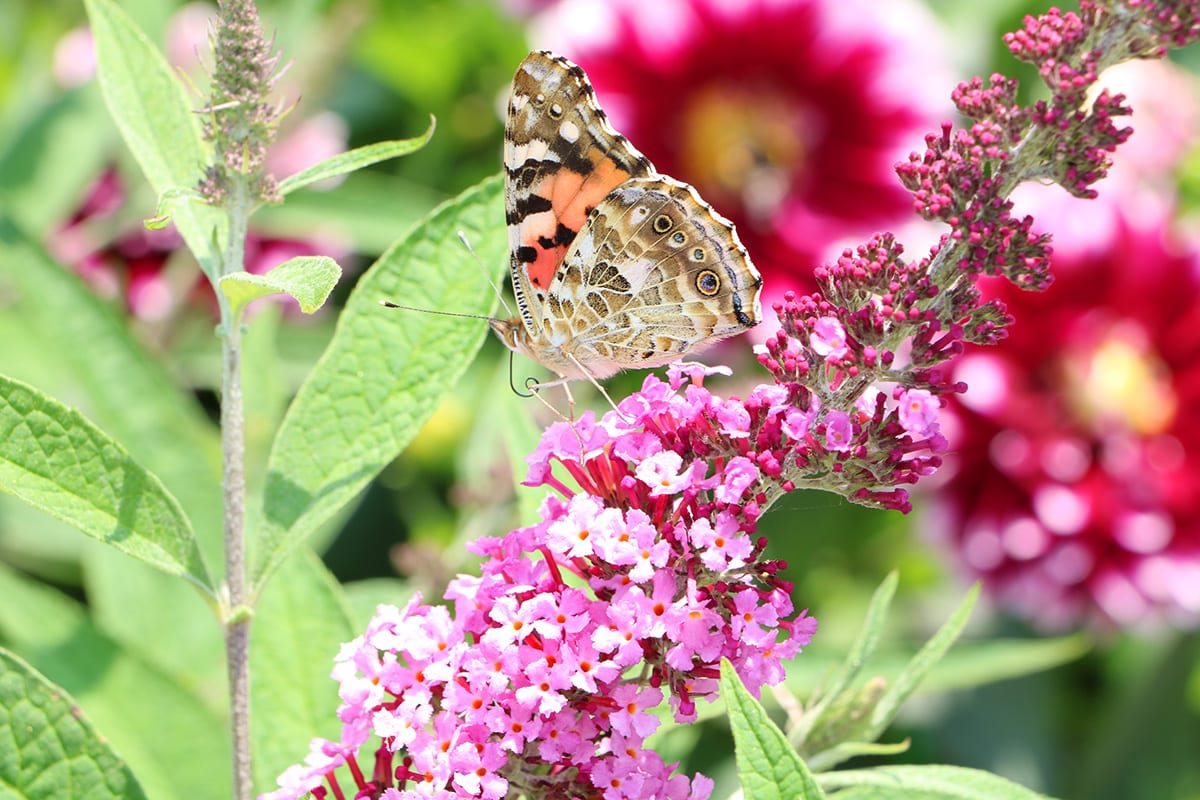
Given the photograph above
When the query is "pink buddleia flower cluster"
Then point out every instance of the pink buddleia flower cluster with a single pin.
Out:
(641, 576)
(643, 573)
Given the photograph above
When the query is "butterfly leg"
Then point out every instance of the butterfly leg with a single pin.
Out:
(535, 390)
(599, 388)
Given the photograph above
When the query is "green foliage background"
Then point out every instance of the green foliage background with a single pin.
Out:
(1121, 721)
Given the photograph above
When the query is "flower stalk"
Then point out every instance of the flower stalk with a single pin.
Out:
(240, 124)
(237, 622)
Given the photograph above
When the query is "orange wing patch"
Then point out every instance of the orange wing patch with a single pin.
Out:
(572, 197)
(562, 158)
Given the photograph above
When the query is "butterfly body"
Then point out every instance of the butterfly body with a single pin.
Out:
(613, 265)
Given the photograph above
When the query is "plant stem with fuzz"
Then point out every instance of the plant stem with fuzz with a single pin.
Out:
(240, 123)
(237, 622)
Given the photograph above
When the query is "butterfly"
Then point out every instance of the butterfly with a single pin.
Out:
(613, 265)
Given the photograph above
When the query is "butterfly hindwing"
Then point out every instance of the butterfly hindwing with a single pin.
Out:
(653, 273)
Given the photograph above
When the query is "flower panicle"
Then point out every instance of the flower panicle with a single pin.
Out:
(240, 121)
(627, 594)
(864, 356)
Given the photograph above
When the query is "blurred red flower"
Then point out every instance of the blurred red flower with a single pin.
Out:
(787, 116)
(1074, 486)
(1073, 483)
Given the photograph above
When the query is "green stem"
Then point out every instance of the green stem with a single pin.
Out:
(237, 621)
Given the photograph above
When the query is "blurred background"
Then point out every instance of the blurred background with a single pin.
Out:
(1073, 485)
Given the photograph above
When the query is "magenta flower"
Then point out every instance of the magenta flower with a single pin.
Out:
(1075, 489)
(918, 412)
(787, 116)
(839, 431)
(829, 339)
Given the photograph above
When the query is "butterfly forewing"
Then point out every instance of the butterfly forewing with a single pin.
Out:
(561, 158)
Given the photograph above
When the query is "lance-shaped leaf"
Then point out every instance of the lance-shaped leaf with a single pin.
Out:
(307, 279)
(154, 114)
(768, 767)
(920, 665)
(906, 682)
(840, 684)
(49, 748)
(356, 159)
(53, 458)
(925, 782)
(302, 611)
(385, 370)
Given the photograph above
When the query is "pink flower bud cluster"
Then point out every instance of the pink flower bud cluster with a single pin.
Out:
(865, 357)
(1070, 51)
(965, 176)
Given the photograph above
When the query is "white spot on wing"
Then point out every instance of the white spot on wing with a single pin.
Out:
(569, 131)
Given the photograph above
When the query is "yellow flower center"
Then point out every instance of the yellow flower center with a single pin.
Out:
(1123, 382)
(742, 147)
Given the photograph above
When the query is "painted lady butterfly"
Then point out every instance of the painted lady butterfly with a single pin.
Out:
(613, 265)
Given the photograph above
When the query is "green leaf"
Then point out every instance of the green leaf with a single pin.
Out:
(56, 460)
(384, 372)
(77, 346)
(927, 782)
(300, 623)
(972, 664)
(888, 703)
(920, 665)
(176, 744)
(168, 201)
(768, 767)
(307, 279)
(265, 392)
(967, 666)
(153, 112)
(127, 390)
(864, 646)
(367, 208)
(49, 748)
(356, 159)
(46, 164)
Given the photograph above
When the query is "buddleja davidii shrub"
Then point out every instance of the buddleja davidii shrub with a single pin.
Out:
(644, 574)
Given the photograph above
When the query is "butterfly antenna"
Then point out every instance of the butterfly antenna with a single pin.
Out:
(390, 304)
(462, 237)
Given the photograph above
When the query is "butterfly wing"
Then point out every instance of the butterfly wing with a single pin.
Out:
(654, 273)
(561, 158)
